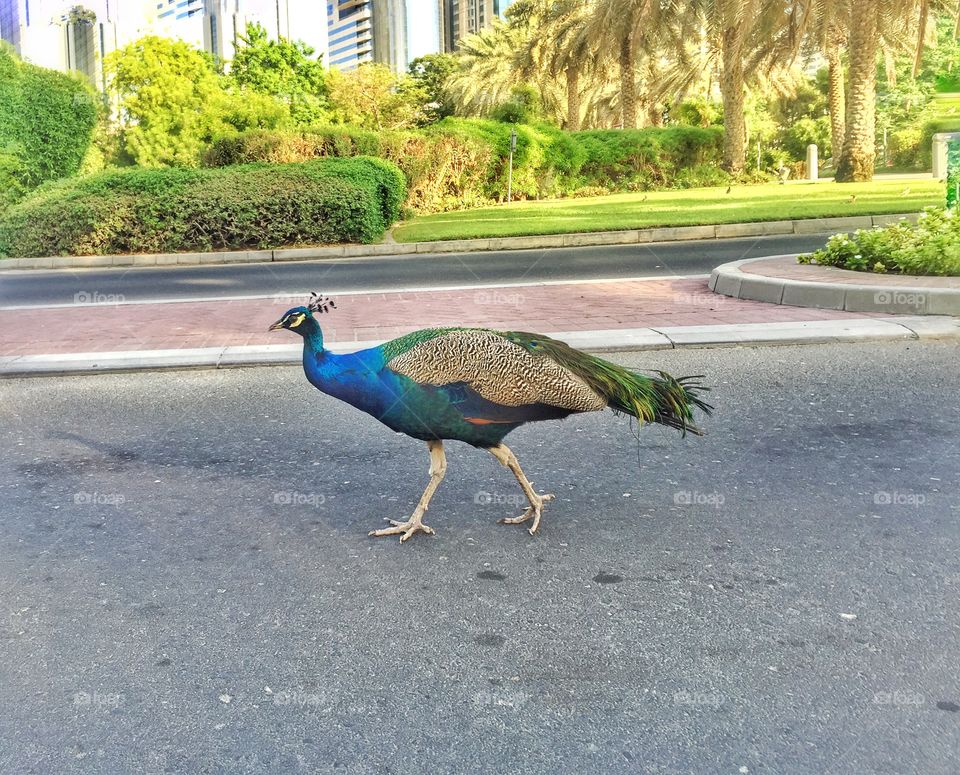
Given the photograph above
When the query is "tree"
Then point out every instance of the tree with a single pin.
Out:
(173, 102)
(374, 97)
(430, 73)
(868, 21)
(488, 69)
(614, 27)
(283, 69)
(748, 37)
(563, 44)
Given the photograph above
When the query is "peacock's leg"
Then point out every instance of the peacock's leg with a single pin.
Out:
(502, 453)
(438, 467)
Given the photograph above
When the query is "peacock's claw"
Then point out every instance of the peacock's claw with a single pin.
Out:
(534, 512)
(409, 528)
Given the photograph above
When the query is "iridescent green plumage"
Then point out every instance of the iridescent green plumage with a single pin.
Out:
(478, 385)
(664, 399)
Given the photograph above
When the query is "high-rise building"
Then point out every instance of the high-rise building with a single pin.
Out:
(349, 33)
(465, 17)
(67, 35)
(361, 31)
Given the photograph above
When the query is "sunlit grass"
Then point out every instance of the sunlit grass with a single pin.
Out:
(768, 202)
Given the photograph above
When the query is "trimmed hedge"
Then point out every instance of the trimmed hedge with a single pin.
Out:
(46, 125)
(459, 163)
(167, 210)
(440, 172)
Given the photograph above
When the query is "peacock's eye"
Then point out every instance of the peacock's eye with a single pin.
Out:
(296, 321)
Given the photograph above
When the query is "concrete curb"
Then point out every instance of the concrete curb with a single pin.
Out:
(629, 237)
(731, 280)
(615, 340)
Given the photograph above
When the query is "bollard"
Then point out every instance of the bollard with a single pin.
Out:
(953, 171)
(813, 163)
(940, 141)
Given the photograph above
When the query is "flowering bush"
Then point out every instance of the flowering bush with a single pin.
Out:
(929, 247)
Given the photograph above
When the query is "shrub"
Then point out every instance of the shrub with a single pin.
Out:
(442, 172)
(46, 124)
(904, 147)
(651, 157)
(247, 206)
(803, 132)
(929, 247)
(460, 162)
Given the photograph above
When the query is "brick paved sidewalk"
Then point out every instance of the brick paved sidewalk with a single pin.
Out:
(580, 306)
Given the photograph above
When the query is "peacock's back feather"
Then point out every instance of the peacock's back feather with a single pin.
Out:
(517, 369)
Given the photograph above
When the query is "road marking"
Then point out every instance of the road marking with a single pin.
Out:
(363, 292)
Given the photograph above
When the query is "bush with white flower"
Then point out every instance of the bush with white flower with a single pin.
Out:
(929, 247)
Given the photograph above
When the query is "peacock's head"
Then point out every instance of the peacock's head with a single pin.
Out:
(293, 319)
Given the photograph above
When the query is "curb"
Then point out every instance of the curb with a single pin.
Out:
(586, 239)
(616, 340)
(730, 280)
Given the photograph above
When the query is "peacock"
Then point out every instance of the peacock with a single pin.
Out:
(476, 385)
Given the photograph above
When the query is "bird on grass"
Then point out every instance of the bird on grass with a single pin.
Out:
(476, 385)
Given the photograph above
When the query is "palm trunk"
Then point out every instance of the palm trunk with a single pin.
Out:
(628, 86)
(859, 145)
(654, 109)
(573, 97)
(732, 90)
(921, 35)
(836, 93)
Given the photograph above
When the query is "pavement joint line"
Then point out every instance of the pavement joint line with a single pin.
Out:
(605, 340)
(368, 292)
(664, 234)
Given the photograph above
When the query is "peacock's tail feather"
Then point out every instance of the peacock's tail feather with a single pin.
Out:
(661, 399)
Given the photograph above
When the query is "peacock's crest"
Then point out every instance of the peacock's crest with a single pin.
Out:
(319, 303)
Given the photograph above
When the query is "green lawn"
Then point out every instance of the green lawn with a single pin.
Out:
(767, 202)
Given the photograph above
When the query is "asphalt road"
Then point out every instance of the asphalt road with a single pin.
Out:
(45, 287)
(187, 585)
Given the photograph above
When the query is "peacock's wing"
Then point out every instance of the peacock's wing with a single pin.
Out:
(505, 368)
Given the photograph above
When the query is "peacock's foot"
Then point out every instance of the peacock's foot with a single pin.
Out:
(404, 529)
(534, 512)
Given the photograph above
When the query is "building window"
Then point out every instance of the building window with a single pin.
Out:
(213, 35)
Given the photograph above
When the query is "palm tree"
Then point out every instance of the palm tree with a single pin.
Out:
(831, 20)
(557, 46)
(747, 38)
(868, 21)
(488, 70)
(612, 31)
(570, 50)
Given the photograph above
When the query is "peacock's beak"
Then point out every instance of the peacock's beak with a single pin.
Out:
(277, 325)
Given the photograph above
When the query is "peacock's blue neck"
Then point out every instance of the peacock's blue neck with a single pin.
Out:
(312, 335)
